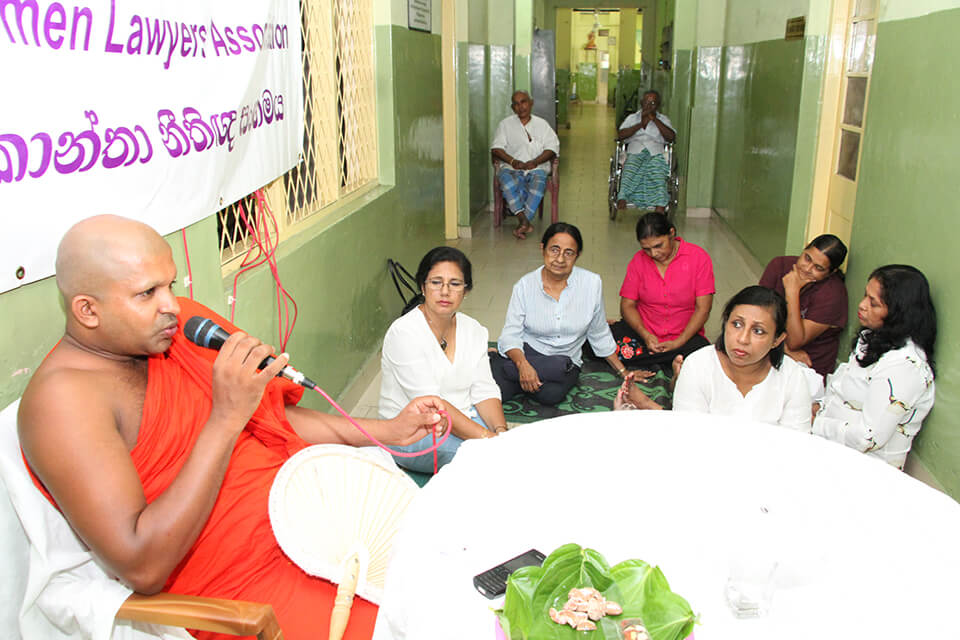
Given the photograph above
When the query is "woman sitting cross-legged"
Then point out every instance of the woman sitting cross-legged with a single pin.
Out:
(434, 350)
(877, 400)
(745, 374)
(552, 311)
(666, 297)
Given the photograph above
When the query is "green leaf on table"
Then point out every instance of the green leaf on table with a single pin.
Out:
(640, 589)
(647, 595)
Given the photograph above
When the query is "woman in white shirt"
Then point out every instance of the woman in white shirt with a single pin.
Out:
(434, 350)
(877, 400)
(745, 374)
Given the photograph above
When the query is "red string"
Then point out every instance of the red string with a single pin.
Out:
(399, 454)
(265, 234)
(186, 254)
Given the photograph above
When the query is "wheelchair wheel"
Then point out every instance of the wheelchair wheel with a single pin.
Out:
(614, 187)
(673, 193)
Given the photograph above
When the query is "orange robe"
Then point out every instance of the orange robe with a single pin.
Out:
(236, 555)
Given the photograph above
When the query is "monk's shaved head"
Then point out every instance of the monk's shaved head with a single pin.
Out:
(99, 250)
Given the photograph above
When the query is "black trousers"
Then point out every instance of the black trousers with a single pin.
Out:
(634, 353)
(557, 373)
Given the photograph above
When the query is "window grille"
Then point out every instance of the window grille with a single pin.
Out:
(339, 116)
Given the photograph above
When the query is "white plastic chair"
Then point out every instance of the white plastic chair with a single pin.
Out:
(52, 587)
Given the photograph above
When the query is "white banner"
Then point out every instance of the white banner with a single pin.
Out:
(160, 111)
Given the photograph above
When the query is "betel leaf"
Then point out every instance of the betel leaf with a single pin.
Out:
(640, 589)
(666, 615)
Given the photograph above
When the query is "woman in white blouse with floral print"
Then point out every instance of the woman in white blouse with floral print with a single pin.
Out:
(877, 400)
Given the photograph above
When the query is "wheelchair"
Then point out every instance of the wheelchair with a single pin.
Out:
(616, 170)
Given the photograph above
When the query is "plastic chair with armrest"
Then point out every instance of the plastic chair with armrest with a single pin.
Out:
(553, 187)
(46, 565)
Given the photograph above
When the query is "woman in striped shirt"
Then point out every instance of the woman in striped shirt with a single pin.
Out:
(553, 311)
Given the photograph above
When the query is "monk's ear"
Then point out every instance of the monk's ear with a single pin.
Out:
(85, 309)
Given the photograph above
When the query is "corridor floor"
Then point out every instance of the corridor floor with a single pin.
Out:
(499, 259)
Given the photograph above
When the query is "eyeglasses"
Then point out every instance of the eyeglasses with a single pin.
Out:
(555, 251)
(436, 284)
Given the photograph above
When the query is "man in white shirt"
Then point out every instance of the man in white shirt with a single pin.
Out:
(644, 178)
(524, 145)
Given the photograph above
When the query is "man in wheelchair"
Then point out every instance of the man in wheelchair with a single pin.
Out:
(644, 178)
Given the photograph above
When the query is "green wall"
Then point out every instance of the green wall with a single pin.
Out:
(757, 119)
(906, 200)
(335, 269)
(747, 110)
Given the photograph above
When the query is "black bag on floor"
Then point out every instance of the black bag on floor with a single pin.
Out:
(405, 284)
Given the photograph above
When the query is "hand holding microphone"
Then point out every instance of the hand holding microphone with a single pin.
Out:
(245, 366)
(207, 333)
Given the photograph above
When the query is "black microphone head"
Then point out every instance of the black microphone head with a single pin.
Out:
(205, 332)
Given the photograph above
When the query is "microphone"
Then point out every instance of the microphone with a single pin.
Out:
(204, 332)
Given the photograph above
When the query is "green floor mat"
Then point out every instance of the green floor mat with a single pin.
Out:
(594, 392)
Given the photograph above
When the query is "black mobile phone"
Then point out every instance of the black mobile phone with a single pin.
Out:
(493, 582)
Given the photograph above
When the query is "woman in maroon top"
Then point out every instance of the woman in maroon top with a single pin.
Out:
(816, 300)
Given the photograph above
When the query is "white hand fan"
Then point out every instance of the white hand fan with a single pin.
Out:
(335, 510)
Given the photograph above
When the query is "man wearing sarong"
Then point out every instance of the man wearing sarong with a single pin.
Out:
(524, 145)
(643, 181)
(161, 454)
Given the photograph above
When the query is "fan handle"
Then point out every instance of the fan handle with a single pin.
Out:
(344, 601)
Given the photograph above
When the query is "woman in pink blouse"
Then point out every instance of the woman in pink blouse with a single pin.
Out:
(666, 297)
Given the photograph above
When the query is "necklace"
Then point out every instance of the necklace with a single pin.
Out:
(443, 336)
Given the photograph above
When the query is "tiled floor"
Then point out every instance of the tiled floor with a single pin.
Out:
(499, 259)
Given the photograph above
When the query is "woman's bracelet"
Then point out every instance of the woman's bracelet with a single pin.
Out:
(499, 428)
(622, 371)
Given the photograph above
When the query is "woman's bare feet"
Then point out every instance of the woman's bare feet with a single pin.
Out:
(630, 394)
(676, 364)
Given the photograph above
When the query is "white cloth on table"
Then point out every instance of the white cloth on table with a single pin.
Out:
(649, 137)
(683, 491)
(61, 592)
(526, 141)
(558, 327)
(413, 364)
(880, 408)
(782, 398)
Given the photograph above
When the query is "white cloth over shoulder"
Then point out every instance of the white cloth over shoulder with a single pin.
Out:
(783, 398)
(880, 408)
(61, 591)
(526, 141)
(413, 364)
(649, 137)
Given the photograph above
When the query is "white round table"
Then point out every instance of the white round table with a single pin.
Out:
(864, 550)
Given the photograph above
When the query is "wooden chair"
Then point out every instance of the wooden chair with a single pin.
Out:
(553, 187)
(188, 612)
(233, 617)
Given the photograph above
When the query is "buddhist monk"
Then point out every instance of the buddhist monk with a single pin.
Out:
(160, 453)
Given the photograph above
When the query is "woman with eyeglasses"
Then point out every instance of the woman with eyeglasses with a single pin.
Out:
(665, 299)
(434, 350)
(553, 310)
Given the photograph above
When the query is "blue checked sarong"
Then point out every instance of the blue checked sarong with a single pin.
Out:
(644, 180)
(523, 190)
